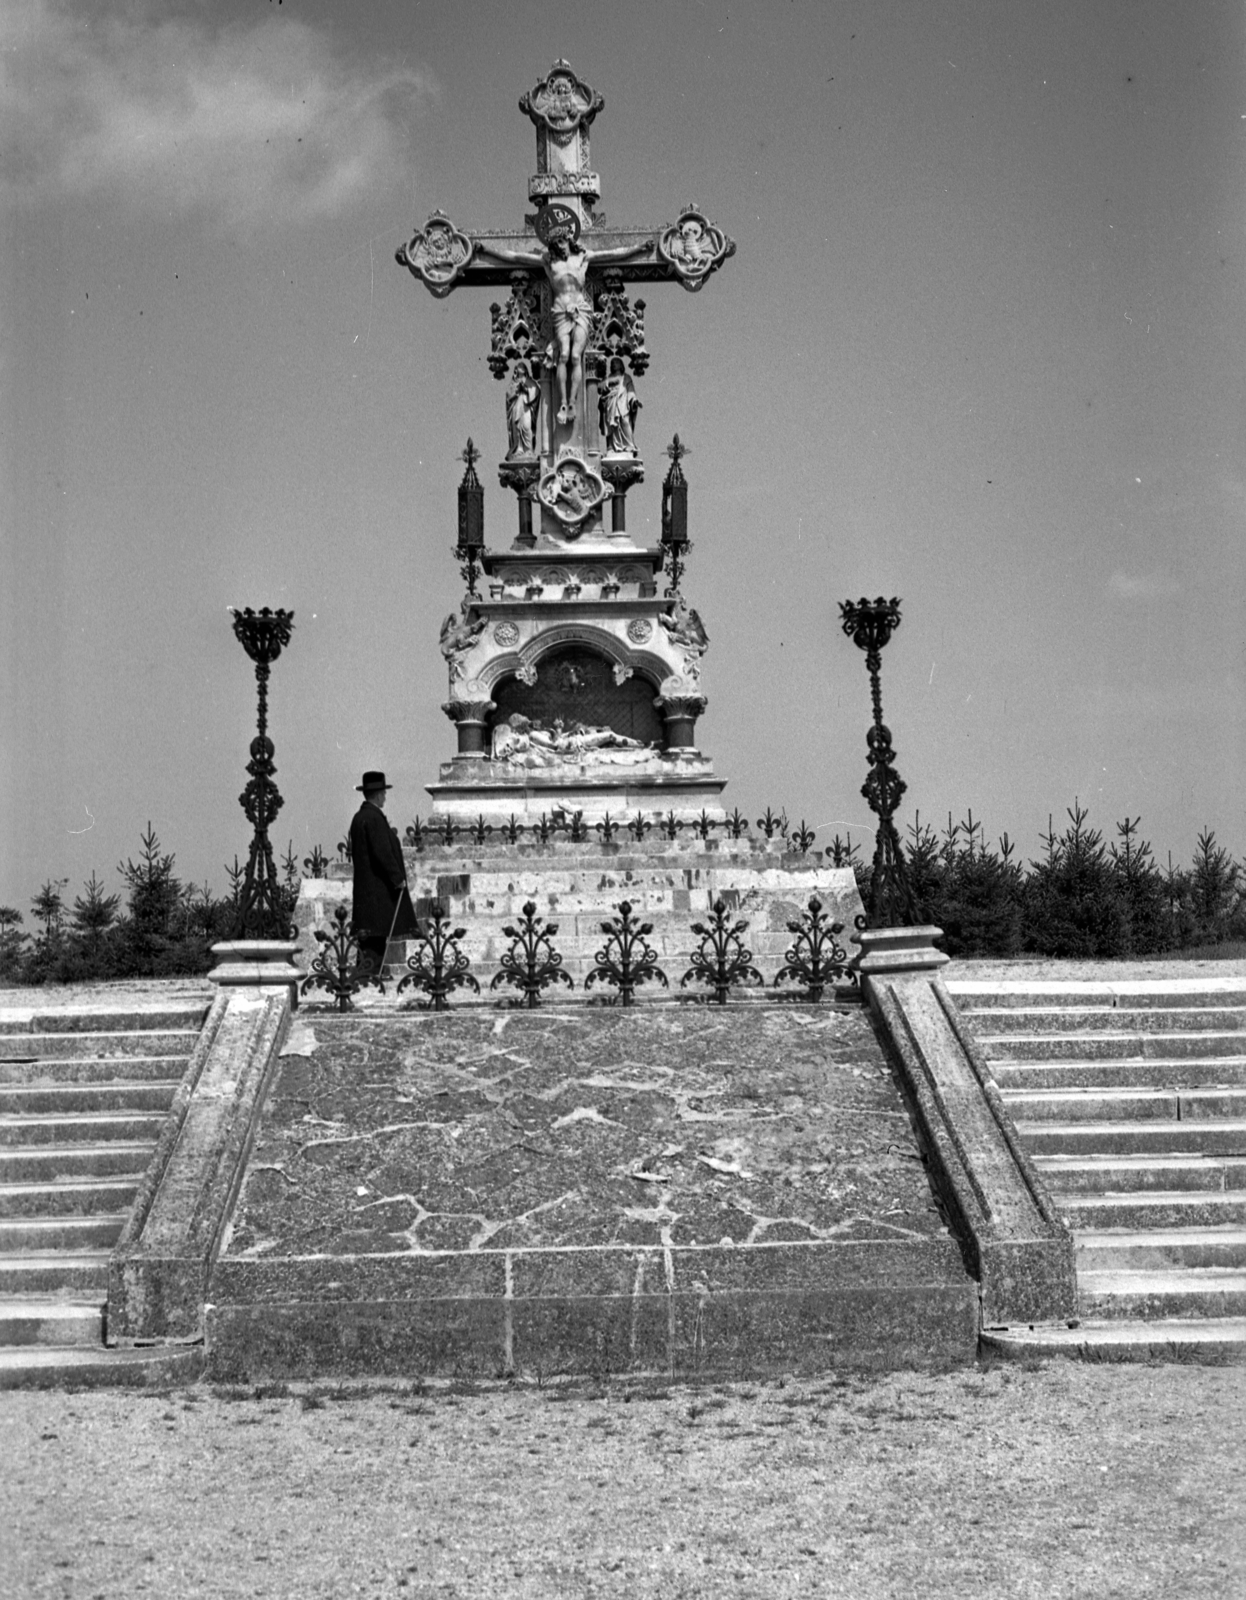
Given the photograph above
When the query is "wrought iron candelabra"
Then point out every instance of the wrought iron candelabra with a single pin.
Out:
(870, 624)
(262, 909)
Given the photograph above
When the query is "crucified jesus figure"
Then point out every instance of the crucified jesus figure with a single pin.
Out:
(566, 266)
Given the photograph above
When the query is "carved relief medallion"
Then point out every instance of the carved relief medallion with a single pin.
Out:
(506, 634)
(572, 491)
(438, 254)
(639, 630)
(694, 247)
(561, 101)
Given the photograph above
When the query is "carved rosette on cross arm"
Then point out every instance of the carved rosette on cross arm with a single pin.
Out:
(694, 248)
(437, 254)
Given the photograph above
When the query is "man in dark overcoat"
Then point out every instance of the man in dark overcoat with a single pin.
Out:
(380, 872)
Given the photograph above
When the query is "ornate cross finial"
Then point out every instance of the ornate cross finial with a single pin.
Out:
(471, 455)
(677, 450)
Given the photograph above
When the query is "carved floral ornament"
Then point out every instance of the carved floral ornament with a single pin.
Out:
(561, 102)
(572, 491)
(437, 255)
(639, 630)
(694, 248)
(506, 634)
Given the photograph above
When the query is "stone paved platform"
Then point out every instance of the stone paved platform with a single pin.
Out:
(568, 1188)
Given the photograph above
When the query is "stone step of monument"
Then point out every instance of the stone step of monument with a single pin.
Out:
(1097, 1019)
(1184, 1072)
(47, 1163)
(56, 1323)
(84, 1127)
(1200, 1340)
(1154, 1136)
(39, 1367)
(1163, 1292)
(1132, 1103)
(1119, 1104)
(69, 1196)
(32, 1069)
(26, 1049)
(1128, 1174)
(59, 1098)
(1156, 1249)
(188, 1014)
(54, 1272)
(40, 1234)
(1104, 1046)
(1001, 995)
(1155, 1208)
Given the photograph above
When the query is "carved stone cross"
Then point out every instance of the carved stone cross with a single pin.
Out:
(567, 327)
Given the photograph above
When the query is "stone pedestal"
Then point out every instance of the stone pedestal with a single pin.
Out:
(257, 964)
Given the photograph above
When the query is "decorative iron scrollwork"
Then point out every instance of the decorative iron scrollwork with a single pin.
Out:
(770, 824)
(639, 826)
(737, 824)
(607, 828)
(816, 957)
(669, 826)
(722, 959)
(802, 838)
(626, 959)
(341, 967)
(438, 966)
(416, 835)
(704, 825)
(532, 963)
(263, 911)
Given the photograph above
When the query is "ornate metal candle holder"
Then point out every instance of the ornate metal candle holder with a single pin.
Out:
(262, 905)
(870, 624)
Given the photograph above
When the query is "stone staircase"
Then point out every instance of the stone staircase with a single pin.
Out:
(1131, 1098)
(83, 1097)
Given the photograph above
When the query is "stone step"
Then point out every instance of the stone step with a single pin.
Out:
(1187, 1073)
(1107, 1046)
(1005, 994)
(99, 1231)
(89, 1128)
(1109, 1105)
(1093, 1175)
(1158, 1249)
(1150, 1296)
(62, 1098)
(65, 1273)
(1155, 1136)
(1043, 1021)
(39, 1367)
(1197, 1340)
(34, 1069)
(86, 1197)
(20, 1049)
(45, 1163)
(1155, 1208)
(51, 1322)
(71, 1019)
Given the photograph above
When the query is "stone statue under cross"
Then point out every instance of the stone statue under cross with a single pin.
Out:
(568, 320)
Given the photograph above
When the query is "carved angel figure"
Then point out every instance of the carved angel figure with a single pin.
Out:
(458, 637)
(618, 404)
(523, 399)
(685, 628)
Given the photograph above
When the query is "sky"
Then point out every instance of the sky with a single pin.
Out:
(981, 347)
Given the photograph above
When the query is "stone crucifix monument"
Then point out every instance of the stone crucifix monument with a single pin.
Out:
(575, 677)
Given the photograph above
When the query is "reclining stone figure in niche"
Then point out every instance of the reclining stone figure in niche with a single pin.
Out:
(521, 741)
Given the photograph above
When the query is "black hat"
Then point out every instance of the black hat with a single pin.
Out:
(372, 780)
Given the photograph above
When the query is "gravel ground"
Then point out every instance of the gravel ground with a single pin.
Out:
(1055, 1480)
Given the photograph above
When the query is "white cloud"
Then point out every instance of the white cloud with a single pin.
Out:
(155, 108)
(1142, 586)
